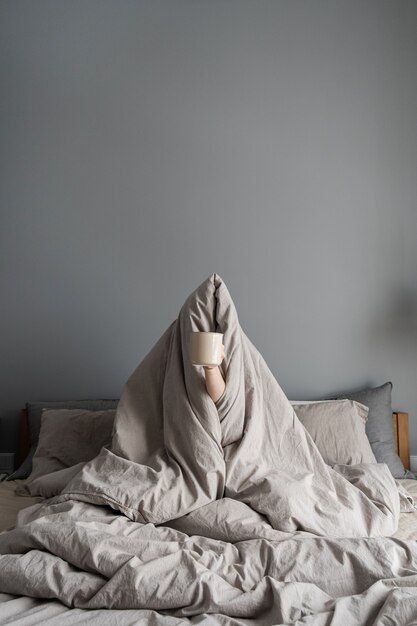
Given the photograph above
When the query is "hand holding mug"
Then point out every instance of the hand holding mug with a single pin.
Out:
(207, 349)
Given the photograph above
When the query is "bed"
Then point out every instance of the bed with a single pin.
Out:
(31, 611)
(225, 512)
(11, 503)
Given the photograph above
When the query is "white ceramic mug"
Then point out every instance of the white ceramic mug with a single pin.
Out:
(206, 348)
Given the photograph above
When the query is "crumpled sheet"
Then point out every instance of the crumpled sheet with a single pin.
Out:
(88, 556)
(222, 509)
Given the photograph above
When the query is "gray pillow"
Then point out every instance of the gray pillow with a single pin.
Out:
(69, 437)
(34, 410)
(379, 427)
(337, 427)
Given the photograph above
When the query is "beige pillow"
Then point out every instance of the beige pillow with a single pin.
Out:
(338, 430)
(70, 436)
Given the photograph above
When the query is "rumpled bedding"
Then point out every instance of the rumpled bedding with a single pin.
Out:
(214, 512)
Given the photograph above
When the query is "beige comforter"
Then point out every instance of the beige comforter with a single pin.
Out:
(224, 510)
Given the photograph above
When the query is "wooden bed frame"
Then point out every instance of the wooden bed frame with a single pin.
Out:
(401, 437)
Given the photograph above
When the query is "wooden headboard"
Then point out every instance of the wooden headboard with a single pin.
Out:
(401, 437)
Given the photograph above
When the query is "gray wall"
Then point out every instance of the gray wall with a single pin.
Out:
(145, 145)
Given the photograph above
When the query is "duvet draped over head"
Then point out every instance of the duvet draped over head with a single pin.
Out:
(174, 450)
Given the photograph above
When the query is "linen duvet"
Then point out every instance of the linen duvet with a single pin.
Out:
(209, 513)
